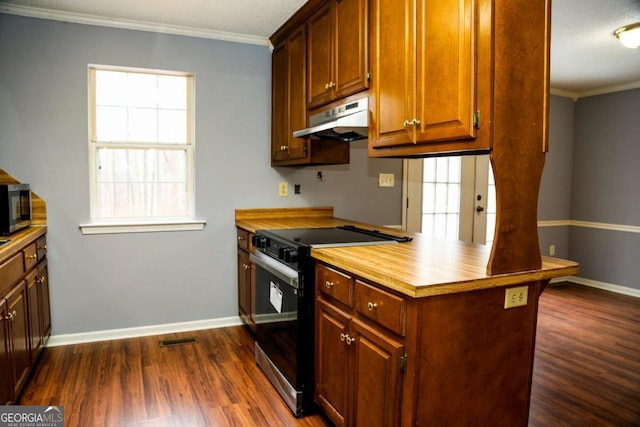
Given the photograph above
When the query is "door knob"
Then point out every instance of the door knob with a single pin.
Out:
(479, 209)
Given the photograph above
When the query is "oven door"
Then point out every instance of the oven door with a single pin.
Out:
(276, 306)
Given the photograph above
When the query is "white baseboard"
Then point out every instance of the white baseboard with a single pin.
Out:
(600, 285)
(143, 331)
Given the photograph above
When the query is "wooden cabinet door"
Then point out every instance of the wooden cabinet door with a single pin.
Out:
(289, 108)
(35, 314)
(424, 74)
(279, 103)
(18, 331)
(45, 303)
(351, 48)
(320, 50)
(332, 362)
(6, 381)
(297, 52)
(393, 73)
(244, 285)
(378, 378)
(445, 67)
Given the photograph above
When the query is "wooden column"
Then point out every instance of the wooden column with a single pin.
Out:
(521, 110)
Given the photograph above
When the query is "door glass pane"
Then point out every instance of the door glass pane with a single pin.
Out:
(441, 197)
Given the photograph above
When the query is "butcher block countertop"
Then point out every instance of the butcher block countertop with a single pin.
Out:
(424, 267)
(19, 240)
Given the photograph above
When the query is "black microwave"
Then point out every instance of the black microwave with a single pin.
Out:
(15, 207)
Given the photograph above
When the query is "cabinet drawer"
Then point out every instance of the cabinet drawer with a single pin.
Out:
(382, 307)
(244, 239)
(11, 272)
(30, 256)
(335, 284)
(41, 247)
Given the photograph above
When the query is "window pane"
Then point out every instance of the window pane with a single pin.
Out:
(172, 92)
(440, 225)
(452, 226)
(441, 198)
(427, 224)
(442, 169)
(429, 170)
(143, 124)
(111, 88)
(454, 169)
(428, 198)
(111, 124)
(171, 166)
(453, 198)
(172, 126)
(143, 90)
(173, 198)
(143, 166)
(142, 199)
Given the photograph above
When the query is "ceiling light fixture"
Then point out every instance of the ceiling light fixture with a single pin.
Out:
(629, 35)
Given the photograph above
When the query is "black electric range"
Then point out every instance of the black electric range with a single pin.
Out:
(284, 303)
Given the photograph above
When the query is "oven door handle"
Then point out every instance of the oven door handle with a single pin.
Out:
(278, 269)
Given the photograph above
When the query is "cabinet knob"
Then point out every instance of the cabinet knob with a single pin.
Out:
(415, 122)
(34, 256)
(42, 247)
(349, 340)
(372, 306)
(240, 238)
(10, 316)
(343, 336)
(406, 123)
(329, 284)
(246, 266)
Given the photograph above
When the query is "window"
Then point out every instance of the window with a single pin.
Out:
(140, 147)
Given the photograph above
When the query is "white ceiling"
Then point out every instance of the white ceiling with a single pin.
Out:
(586, 58)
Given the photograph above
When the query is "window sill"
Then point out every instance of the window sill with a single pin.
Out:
(142, 226)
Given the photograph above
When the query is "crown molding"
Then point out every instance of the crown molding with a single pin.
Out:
(100, 21)
(593, 92)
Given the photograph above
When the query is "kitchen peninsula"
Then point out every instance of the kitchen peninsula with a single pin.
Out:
(429, 338)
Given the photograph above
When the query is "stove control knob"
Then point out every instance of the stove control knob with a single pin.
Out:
(260, 241)
(288, 254)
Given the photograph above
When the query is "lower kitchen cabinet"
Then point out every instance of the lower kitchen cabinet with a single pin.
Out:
(25, 315)
(359, 366)
(246, 290)
(17, 324)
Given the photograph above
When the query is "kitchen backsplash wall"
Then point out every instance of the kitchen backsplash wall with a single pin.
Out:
(106, 282)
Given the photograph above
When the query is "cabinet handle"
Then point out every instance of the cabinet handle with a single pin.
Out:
(40, 279)
(34, 256)
(415, 122)
(10, 316)
(329, 284)
(406, 123)
(240, 238)
(343, 336)
(349, 340)
(42, 247)
(246, 266)
(372, 306)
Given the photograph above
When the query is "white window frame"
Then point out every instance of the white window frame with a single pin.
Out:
(150, 224)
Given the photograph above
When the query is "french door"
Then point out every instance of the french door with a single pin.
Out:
(450, 197)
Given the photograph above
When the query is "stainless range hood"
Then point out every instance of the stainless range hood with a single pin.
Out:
(347, 122)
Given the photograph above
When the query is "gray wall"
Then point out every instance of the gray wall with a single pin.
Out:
(592, 174)
(554, 201)
(104, 282)
(606, 187)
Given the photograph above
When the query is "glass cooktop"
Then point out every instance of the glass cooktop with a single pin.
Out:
(334, 236)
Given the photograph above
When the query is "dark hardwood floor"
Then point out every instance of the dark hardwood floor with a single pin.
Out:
(586, 373)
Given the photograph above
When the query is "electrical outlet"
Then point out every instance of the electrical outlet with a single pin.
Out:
(515, 297)
(386, 180)
(552, 250)
(283, 189)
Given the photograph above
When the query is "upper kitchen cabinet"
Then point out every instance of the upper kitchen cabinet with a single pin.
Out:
(431, 77)
(289, 111)
(289, 101)
(337, 51)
